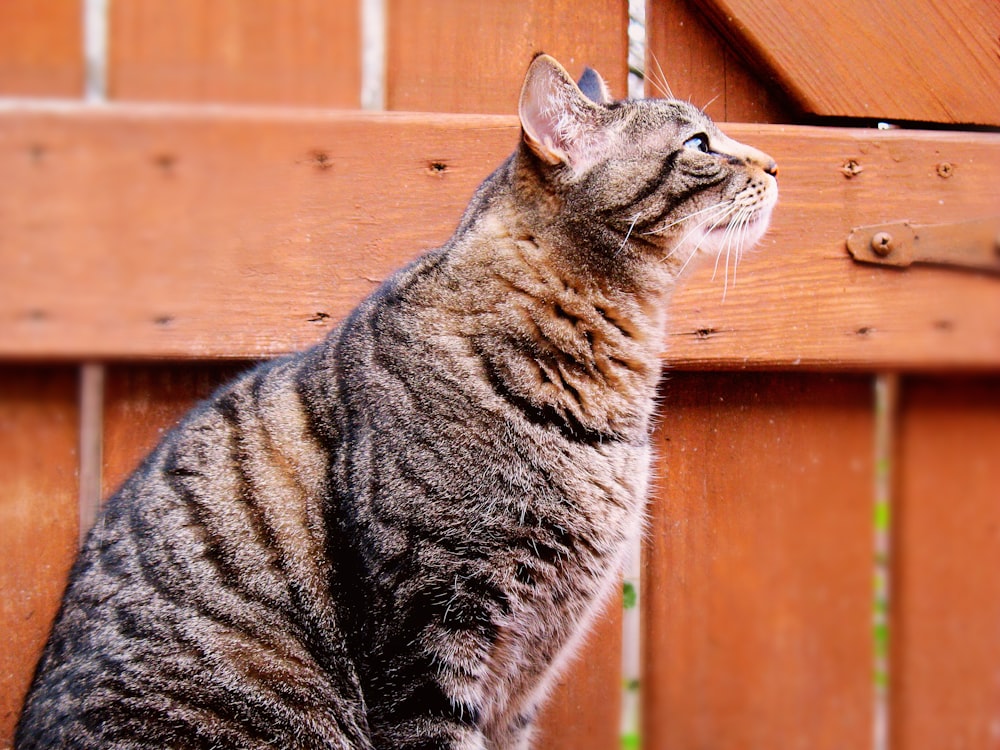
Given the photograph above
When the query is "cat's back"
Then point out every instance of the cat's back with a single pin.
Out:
(212, 596)
(183, 620)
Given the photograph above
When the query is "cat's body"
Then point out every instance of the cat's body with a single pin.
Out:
(394, 539)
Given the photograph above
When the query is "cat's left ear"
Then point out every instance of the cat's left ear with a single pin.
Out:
(594, 87)
(556, 116)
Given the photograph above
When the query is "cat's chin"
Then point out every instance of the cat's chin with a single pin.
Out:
(736, 237)
(746, 233)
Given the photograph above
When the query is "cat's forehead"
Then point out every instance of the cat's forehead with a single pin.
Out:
(666, 116)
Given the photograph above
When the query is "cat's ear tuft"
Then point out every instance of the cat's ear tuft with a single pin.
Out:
(555, 114)
(594, 87)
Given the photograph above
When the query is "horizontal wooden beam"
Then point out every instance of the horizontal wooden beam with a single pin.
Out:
(163, 232)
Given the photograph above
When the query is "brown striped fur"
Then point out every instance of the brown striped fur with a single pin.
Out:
(394, 539)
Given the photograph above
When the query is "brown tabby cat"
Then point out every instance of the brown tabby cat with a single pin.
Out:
(395, 539)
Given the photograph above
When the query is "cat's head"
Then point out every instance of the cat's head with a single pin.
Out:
(648, 176)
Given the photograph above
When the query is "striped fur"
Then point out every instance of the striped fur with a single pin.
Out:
(396, 538)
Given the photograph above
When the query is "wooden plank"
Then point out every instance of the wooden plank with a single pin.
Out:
(166, 232)
(38, 518)
(945, 626)
(758, 568)
(584, 712)
(146, 221)
(145, 401)
(929, 60)
(457, 56)
(296, 52)
(686, 56)
(41, 48)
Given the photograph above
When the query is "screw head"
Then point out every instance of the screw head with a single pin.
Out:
(882, 243)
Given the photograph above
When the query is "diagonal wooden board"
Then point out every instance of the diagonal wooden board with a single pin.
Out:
(920, 60)
(135, 231)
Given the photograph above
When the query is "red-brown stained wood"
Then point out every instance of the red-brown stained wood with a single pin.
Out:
(758, 568)
(145, 401)
(686, 57)
(460, 56)
(297, 52)
(584, 712)
(38, 518)
(945, 628)
(41, 48)
(146, 232)
(923, 60)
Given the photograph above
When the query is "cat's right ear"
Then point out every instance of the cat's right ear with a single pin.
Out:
(556, 116)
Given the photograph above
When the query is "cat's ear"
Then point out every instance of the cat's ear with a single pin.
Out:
(594, 87)
(555, 115)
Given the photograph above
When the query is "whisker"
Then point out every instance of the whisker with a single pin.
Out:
(710, 102)
(722, 211)
(627, 235)
(742, 242)
(730, 236)
(718, 256)
(684, 218)
(736, 241)
(661, 81)
(723, 217)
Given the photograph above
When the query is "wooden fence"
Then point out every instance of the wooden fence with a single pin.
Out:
(154, 242)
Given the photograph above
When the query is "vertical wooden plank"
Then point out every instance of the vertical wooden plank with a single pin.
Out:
(41, 48)
(757, 578)
(38, 518)
(686, 55)
(144, 401)
(585, 710)
(459, 56)
(91, 405)
(944, 662)
(294, 52)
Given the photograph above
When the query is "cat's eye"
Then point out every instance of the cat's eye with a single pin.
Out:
(698, 143)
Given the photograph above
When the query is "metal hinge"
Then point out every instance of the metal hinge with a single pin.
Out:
(966, 244)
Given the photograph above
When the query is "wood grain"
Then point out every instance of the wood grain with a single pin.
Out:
(758, 568)
(923, 60)
(685, 56)
(584, 712)
(297, 52)
(38, 518)
(459, 56)
(167, 232)
(41, 48)
(945, 626)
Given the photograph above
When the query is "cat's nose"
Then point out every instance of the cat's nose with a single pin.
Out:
(771, 168)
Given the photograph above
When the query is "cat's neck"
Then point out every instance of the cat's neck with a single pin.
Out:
(528, 227)
(555, 335)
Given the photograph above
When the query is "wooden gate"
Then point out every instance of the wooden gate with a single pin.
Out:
(826, 427)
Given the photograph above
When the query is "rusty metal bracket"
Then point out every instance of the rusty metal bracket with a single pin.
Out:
(966, 244)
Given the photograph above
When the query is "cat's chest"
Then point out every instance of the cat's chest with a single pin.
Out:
(560, 568)
(566, 539)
